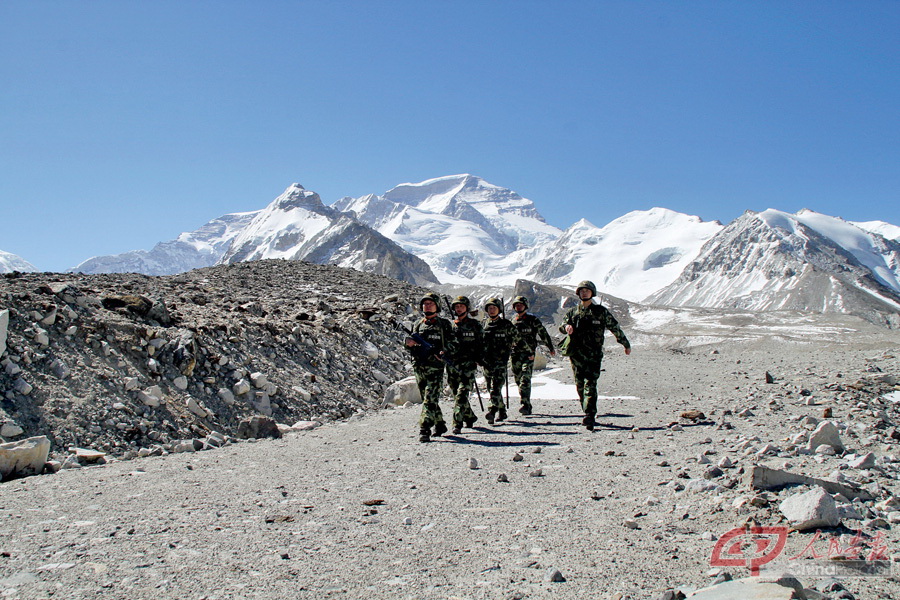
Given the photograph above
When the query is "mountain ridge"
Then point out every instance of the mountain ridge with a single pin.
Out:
(461, 230)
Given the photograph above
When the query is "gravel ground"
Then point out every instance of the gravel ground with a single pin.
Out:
(360, 509)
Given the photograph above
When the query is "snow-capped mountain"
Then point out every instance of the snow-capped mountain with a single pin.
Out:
(190, 250)
(807, 261)
(631, 257)
(467, 229)
(297, 226)
(891, 232)
(11, 262)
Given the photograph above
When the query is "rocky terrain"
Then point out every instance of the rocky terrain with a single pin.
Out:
(126, 363)
(357, 507)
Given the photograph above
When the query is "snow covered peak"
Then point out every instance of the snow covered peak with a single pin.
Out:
(10, 262)
(296, 196)
(887, 230)
(468, 230)
(773, 260)
(630, 257)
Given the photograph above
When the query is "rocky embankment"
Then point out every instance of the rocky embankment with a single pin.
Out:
(129, 365)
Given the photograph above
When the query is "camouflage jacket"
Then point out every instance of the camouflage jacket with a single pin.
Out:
(437, 332)
(589, 324)
(530, 328)
(500, 335)
(469, 340)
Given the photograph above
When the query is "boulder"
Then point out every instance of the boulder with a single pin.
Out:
(764, 478)
(258, 426)
(138, 305)
(25, 457)
(305, 425)
(241, 387)
(10, 429)
(866, 461)
(195, 408)
(826, 433)
(89, 456)
(403, 391)
(813, 509)
(4, 329)
(757, 588)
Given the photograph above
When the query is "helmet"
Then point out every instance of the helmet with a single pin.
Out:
(589, 285)
(461, 300)
(521, 299)
(433, 297)
(494, 301)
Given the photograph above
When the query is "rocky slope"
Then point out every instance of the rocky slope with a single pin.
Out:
(129, 363)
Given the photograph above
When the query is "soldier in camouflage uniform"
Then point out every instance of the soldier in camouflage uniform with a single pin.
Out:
(529, 328)
(428, 363)
(585, 325)
(461, 377)
(500, 336)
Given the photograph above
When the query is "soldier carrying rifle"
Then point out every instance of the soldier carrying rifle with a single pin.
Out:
(430, 343)
(500, 336)
(469, 342)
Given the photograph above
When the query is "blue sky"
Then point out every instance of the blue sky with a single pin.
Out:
(125, 123)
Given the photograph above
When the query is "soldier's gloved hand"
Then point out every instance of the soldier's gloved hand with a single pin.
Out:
(627, 351)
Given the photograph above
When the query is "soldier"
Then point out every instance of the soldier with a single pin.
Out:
(500, 336)
(469, 341)
(529, 328)
(435, 340)
(585, 325)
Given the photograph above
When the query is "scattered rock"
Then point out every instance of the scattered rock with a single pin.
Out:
(811, 510)
(258, 426)
(826, 433)
(24, 457)
(693, 415)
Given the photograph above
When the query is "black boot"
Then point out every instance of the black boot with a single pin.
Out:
(425, 435)
(489, 417)
(440, 429)
(588, 422)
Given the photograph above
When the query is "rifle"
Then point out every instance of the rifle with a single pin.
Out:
(477, 391)
(425, 349)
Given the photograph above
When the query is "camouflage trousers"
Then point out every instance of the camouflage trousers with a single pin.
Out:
(461, 380)
(495, 377)
(587, 372)
(430, 379)
(522, 368)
